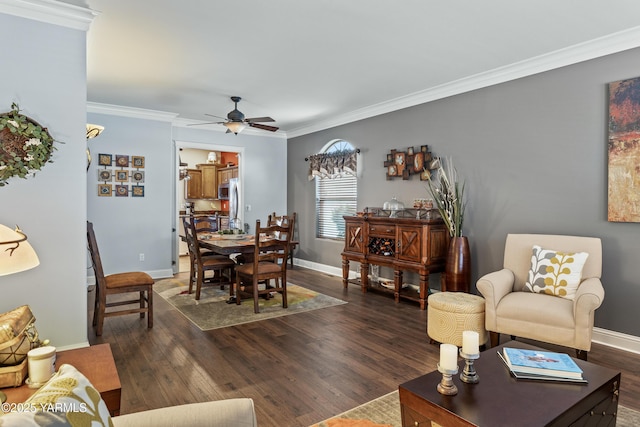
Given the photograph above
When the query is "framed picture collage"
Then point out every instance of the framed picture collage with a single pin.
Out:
(120, 175)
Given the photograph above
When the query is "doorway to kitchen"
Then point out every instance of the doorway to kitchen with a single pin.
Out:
(207, 181)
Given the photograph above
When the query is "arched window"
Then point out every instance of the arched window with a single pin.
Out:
(336, 191)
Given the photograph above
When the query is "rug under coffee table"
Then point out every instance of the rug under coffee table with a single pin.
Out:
(501, 400)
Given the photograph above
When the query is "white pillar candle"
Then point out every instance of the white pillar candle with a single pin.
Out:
(470, 343)
(448, 356)
(41, 364)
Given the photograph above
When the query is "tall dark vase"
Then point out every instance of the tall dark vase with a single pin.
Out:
(458, 266)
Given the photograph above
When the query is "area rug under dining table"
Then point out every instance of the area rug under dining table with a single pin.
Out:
(211, 311)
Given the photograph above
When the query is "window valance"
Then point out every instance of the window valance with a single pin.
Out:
(333, 164)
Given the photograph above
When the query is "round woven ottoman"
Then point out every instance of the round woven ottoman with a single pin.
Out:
(450, 313)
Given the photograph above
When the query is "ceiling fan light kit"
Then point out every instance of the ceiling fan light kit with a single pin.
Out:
(235, 127)
(236, 123)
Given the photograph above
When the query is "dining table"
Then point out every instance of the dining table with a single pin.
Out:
(227, 244)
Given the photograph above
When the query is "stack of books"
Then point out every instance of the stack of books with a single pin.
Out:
(541, 365)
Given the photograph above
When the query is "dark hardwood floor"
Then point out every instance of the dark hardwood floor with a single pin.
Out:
(299, 369)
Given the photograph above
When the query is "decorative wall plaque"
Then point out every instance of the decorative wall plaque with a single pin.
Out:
(411, 162)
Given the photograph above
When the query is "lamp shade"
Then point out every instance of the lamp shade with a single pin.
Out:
(93, 130)
(235, 127)
(16, 254)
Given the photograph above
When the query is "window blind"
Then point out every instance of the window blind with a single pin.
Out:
(335, 198)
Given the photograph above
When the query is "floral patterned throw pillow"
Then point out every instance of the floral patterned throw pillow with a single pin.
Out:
(555, 273)
(67, 399)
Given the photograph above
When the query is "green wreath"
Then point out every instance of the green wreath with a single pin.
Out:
(25, 146)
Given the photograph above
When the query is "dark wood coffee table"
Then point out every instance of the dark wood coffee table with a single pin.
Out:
(501, 400)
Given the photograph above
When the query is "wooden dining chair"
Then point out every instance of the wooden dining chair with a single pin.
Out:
(118, 283)
(269, 262)
(275, 219)
(203, 261)
(186, 223)
(206, 224)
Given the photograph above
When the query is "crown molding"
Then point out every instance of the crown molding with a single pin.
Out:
(51, 12)
(132, 112)
(607, 45)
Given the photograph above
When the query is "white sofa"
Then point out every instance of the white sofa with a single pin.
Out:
(219, 413)
(69, 399)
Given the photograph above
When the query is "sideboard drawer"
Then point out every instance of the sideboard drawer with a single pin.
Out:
(382, 230)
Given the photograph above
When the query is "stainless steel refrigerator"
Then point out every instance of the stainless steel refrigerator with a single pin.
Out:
(234, 204)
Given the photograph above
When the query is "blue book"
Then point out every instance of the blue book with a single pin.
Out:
(541, 362)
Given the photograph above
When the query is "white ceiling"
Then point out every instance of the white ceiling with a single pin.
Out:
(315, 64)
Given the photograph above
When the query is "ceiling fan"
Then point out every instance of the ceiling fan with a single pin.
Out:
(236, 122)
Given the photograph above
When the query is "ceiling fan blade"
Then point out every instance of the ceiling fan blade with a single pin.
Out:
(207, 123)
(259, 119)
(263, 127)
(218, 117)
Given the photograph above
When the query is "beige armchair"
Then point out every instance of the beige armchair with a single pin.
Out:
(512, 309)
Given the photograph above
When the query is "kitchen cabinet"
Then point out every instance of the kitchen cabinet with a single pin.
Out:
(203, 182)
(194, 184)
(415, 241)
(209, 181)
(225, 174)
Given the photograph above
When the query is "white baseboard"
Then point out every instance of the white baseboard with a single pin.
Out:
(601, 336)
(616, 339)
(73, 346)
(322, 268)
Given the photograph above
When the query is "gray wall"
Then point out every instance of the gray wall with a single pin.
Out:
(533, 153)
(45, 73)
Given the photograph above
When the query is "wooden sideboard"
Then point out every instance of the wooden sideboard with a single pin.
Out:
(413, 241)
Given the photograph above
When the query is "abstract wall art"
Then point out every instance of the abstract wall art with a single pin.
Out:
(624, 151)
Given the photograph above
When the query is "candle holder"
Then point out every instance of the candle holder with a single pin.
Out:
(446, 385)
(469, 374)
